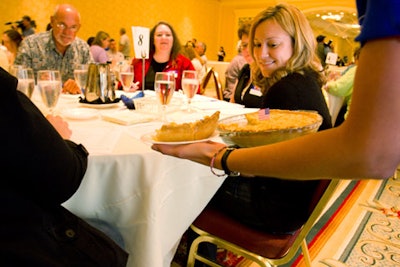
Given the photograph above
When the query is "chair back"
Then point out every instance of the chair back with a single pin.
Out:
(264, 248)
(211, 73)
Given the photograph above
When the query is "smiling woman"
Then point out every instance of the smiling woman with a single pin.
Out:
(164, 56)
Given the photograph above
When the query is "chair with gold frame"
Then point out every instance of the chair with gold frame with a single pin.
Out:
(217, 83)
(265, 249)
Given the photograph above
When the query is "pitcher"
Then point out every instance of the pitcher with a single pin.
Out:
(99, 84)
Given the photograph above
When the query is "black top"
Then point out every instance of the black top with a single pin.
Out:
(244, 93)
(40, 171)
(151, 73)
(273, 204)
(299, 92)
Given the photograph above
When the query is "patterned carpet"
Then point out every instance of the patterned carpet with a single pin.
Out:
(364, 231)
(361, 228)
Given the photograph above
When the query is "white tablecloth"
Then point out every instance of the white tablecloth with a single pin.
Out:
(151, 198)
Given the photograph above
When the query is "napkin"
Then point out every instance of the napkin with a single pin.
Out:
(128, 117)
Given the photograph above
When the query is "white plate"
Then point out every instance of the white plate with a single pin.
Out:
(148, 138)
(80, 113)
(100, 106)
(69, 96)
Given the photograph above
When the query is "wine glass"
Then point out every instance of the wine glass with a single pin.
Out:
(26, 80)
(14, 69)
(190, 85)
(80, 75)
(164, 86)
(49, 84)
(126, 76)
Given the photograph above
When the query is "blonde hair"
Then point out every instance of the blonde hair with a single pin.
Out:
(293, 21)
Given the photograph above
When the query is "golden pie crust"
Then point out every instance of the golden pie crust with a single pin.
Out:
(278, 120)
(189, 131)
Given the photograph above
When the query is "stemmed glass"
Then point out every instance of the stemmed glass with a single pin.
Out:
(126, 76)
(164, 86)
(80, 75)
(190, 85)
(26, 80)
(14, 69)
(49, 84)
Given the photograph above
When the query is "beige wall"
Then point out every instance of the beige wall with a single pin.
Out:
(190, 18)
(211, 21)
(232, 10)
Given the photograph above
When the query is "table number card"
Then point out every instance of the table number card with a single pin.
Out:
(331, 58)
(141, 41)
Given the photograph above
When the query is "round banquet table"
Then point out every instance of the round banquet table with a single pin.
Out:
(151, 198)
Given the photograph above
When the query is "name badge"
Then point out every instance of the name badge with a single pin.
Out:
(256, 92)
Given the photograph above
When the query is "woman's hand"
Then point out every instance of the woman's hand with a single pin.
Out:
(198, 152)
(134, 87)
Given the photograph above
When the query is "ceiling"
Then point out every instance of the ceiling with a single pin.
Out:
(338, 23)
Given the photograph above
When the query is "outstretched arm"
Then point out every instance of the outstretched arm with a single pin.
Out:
(366, 145)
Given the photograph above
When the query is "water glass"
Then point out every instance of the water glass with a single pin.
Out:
(26, 80)
(49, 84)
(164, 86)
(80, 75)
(126, 76)
(190, 85)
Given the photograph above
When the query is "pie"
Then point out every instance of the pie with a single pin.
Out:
(189, 131)
(278, 120)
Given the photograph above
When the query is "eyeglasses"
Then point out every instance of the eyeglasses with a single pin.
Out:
(63, 27)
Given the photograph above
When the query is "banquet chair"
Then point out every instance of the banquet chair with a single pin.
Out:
(217, 83)
(263, 248)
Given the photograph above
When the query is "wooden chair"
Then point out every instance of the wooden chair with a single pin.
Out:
(265, 249)
(217, 83)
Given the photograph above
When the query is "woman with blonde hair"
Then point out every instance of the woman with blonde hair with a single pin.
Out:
(287, 71)
(302, 58)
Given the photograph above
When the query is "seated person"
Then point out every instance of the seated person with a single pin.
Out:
(58, 48)
(237, 63)
(41, 170)
(343, 85)
(164, 57)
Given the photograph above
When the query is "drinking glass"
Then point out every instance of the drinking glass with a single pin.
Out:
(49, 84)
(14, 69)
(126, 76)
(164, 86)
(26, 80)
(190, 85)
(80, 75)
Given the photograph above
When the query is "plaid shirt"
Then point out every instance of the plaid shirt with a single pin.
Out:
(39, 52)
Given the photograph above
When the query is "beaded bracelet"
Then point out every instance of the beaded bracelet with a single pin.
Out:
(213, 160)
